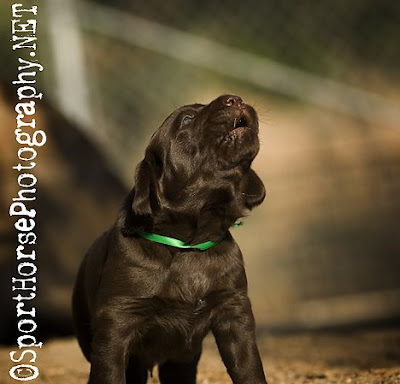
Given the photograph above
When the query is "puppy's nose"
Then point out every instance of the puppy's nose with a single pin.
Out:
(232, 101)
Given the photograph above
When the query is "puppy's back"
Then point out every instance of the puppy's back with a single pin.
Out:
(86, 285)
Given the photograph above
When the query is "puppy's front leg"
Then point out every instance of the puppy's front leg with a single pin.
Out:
(110, 344)
(234, 332)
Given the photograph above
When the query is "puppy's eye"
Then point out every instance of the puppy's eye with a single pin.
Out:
(186, 120)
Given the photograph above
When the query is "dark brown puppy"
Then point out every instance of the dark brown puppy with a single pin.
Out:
(138, 303)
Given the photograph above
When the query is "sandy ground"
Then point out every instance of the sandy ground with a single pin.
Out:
(357, 357)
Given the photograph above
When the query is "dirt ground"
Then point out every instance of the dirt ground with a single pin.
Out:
(352, 357)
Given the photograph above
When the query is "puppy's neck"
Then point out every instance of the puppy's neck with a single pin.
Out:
(191, 229)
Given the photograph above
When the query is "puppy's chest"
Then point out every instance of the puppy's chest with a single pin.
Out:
(187, 291)
(177, 316)
(187, 282)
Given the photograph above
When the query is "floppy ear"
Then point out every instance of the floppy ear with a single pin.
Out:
(252, 189)
(144, 192)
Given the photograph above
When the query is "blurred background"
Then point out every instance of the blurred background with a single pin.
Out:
(323, 250)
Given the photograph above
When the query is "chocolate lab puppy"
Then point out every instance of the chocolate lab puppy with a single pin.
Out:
(168, 272)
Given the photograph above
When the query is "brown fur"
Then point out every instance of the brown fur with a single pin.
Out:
(138, 303)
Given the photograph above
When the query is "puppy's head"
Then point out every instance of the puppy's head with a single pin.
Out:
(199, 161)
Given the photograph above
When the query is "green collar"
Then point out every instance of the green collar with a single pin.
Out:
(178, 243)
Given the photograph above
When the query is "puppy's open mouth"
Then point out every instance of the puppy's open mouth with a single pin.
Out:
(240, 123)
(239, 126)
